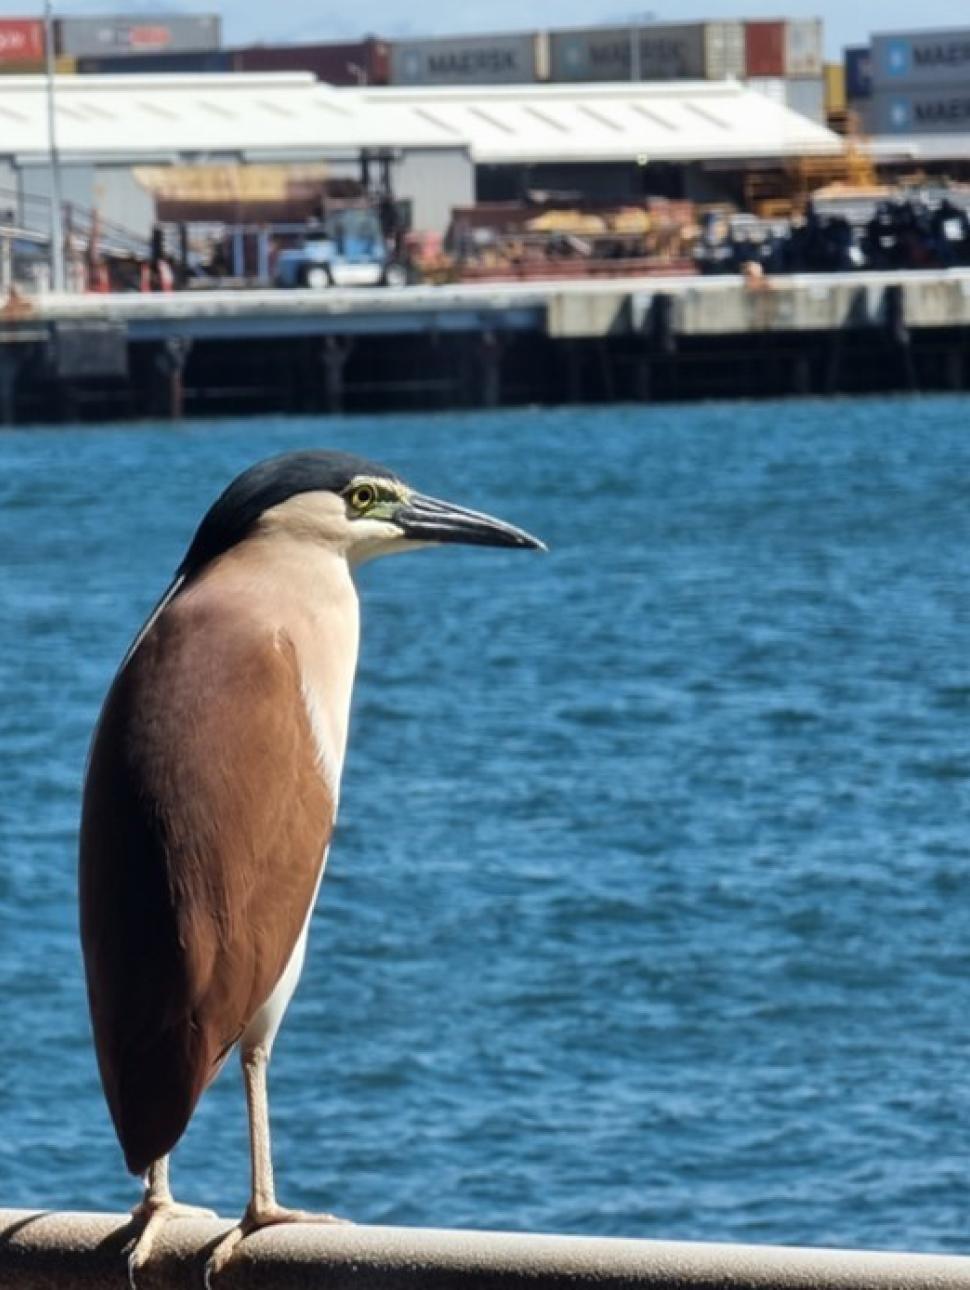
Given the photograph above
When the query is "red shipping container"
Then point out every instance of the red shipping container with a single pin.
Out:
(764, 48)
(362, 62)
(21, 40)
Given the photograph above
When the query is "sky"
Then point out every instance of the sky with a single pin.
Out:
(847, 22)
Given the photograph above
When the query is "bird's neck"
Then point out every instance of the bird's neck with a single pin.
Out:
(323, 618)
(304, 591)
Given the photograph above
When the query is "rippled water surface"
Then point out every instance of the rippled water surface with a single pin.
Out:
(649, 907)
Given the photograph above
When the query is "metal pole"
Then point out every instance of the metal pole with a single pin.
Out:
(636, 61)
(6, 263)
(56, 225)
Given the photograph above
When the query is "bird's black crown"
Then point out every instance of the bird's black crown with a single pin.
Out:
(270, 483)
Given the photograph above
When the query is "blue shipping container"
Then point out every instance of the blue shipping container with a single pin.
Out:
(207, 60)
(858, 72)
(916, 59)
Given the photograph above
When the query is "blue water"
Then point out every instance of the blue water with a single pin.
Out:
(649, 909)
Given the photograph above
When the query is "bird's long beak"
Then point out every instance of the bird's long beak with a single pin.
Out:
(425, 519)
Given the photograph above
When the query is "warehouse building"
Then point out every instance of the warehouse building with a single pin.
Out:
(612, 142)
(442, 148)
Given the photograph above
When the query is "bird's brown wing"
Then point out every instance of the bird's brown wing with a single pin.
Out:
(204, 828)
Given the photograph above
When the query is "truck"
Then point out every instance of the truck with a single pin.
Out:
(345, 248)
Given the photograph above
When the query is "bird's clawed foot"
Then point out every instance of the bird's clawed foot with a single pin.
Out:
(152, 1215)
(254, 1219)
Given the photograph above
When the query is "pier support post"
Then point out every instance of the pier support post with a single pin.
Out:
(575, 370)
(170, 360)
(953, 361)
(642, 374)
(336, 351)
(659, 352)
(606, 370)
(11, 361)
(801, 375)
(898, 332)
(833, 363)
(490, 369)
(68, 402)
(662, 324)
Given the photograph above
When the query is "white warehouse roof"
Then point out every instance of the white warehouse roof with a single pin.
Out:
(168, 118)
(661, 120)
(132, 119)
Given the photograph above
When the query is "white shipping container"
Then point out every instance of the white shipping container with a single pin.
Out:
(807, 96)
(724, 50)
(803, 48)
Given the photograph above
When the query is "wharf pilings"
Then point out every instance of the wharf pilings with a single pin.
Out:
(104, 357)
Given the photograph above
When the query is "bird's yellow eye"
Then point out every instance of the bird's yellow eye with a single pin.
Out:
(363, 496)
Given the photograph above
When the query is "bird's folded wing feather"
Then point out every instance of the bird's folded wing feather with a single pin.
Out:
(205, 826)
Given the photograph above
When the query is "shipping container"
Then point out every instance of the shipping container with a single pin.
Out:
(919, 111)
(21, 40)
(137, 34)
(783, 48)
(467, 60)
(806, 95)
(64, 66)
(804, 48)
(835, 96)
(210, 60)
(687, 51)
(362, 62)
(920, 58)
(764, 49)
(858, 72)
(723, 50)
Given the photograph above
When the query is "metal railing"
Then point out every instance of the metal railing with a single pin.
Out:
(31, 211)
(41, 1251)
(24, 259)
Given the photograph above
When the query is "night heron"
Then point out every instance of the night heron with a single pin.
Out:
(211, 794)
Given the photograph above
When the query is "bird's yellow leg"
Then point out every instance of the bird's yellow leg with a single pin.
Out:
(153, 1211)
(262, 1210)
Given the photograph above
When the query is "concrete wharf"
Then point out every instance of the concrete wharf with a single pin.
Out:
(474, 345)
